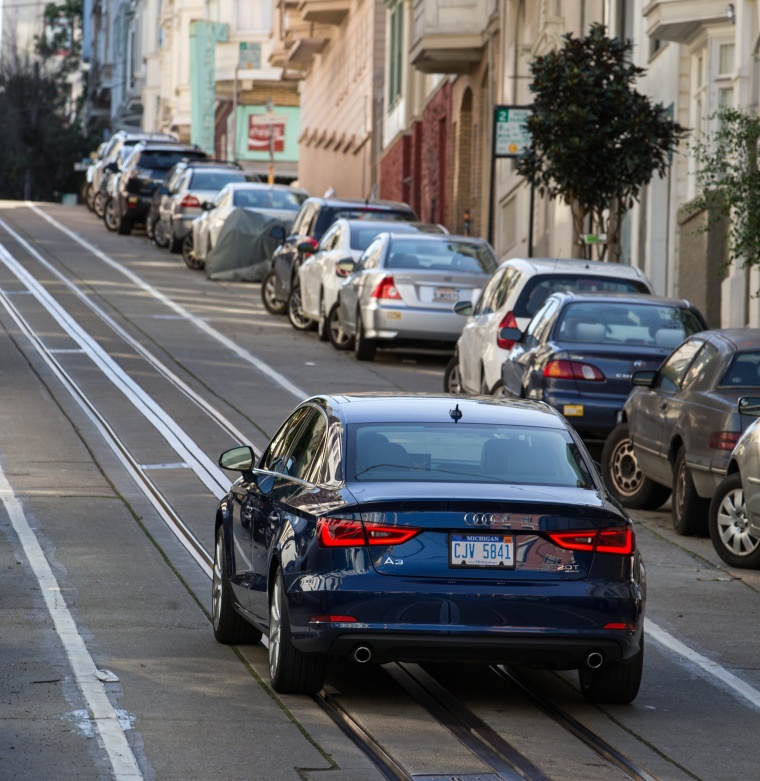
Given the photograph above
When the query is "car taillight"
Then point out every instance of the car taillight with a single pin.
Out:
(572, 370)
(332, 620)
(190, 202)
(622, 626)
(618, 540)
(723, 440)
(339, 533)
(508, 321)
(386, 289)
(308, 240)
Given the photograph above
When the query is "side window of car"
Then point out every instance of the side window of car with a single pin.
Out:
(371, 256)
(330, 239)
(304, 459)
(673, 370)
(700, 365)
(302, 220)
(485, 305)
(506, 286)
(537, 326)
(273, 458)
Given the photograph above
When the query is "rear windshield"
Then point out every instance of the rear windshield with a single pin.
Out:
(328, 216)
(540, 287)
(743, 371)
(215, 180)
(464, 453)
(443, 255)
(164, 159)
(261, 198)
(362, 235)
(626, 323)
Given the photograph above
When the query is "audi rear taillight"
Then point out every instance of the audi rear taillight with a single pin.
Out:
(340, 533)
(723, 440)
(386, 288)
(190, 202)
(332, 620)
(618, 540)
(572, 370)
(508, 321)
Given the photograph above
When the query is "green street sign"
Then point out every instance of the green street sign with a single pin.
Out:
(510, 132)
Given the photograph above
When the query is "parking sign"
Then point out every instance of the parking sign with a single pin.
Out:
(511, 134)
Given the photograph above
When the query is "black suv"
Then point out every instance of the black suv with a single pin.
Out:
(143, 172)
(313, 219)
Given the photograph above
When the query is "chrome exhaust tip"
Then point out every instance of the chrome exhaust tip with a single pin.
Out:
(362, 654)
(594, 660)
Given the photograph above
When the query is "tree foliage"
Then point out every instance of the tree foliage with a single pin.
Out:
(729, 180)
(596, 141)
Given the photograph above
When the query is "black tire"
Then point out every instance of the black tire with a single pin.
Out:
(99, 204)
(339, 339)
(729, 526)
(322, 322)
(159, 234)
(89, 197)
(298, 320)
(622, 475)
(452, 382)
(268, 293)
(229, 626)
(291, 671)
(614, 683)
(111, 216)
(689, 510)
(364, 349)
(188, 254)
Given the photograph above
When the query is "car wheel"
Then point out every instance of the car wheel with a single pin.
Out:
(615, 683)
(111, 216)
(623, 477)
(89, 197)
(322, 322)
(268, 295)
(99, 204)
(689, 510)
(339, 339)
(188, 254)
(364, 349)
(291, 671)
(150, 226)
(229, 626)
(499, 391)
(452, 380)
(729, 526)
(298, 320)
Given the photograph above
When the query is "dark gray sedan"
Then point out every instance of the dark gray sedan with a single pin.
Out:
(680, 424)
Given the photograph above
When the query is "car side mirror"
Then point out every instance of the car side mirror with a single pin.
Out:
(749, 405)
(510, 334)
(239, 459)
(643, 379)
(463, 308)
(306, 247)
(277, 232)
(346, 265)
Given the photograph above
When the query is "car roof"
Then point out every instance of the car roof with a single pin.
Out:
(436, 408)
(567, 296)
(353, 203)
(264, 186)
(740, 338)
(393, 226)
(568, 265)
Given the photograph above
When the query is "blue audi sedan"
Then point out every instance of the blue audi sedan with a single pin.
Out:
(383, 528)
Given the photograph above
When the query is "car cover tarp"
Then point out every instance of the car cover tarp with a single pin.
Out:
(244, 248)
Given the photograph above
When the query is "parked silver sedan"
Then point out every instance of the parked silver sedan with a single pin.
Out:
(402, 291)
(320, 278)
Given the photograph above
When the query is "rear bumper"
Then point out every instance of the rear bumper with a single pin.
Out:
(598, 414)
(389, 324)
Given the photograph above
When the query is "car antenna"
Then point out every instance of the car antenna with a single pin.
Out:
(456, 414)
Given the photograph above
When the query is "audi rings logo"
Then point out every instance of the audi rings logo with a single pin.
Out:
(492, 520)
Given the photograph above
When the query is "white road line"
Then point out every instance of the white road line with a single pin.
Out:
(739, 686)
(200, 324)
(104, 716)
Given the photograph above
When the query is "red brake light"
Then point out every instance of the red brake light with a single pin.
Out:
(332, 620)
(508, 321)
(723, 440)
(386, 289)
(621, 626)
(572, 370)
(339, 533)
(190, 202)
(619, 540)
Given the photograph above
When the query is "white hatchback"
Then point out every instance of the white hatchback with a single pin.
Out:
(511, 297)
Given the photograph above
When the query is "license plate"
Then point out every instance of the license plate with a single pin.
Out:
(573, 410)
(482, 550)
(445, 295)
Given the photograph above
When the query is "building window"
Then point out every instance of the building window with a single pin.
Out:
(395, 53)
(725, 59)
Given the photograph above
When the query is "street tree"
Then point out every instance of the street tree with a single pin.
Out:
(595, 140)
(728, 180)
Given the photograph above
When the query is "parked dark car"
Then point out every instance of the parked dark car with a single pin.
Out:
(580, 351)
(314, 218)
(680, 424)
(143, 172)
(379, 528)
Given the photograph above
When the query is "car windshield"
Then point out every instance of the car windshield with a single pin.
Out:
(443, 255)
(464, 453)
(743, 371)
(613, 322)
(215, 180)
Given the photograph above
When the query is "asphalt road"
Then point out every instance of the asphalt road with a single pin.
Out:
(123, 376)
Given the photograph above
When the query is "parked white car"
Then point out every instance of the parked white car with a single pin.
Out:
(320, 278)
(513, 294)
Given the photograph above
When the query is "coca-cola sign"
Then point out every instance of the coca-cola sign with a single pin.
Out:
(266, 133)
